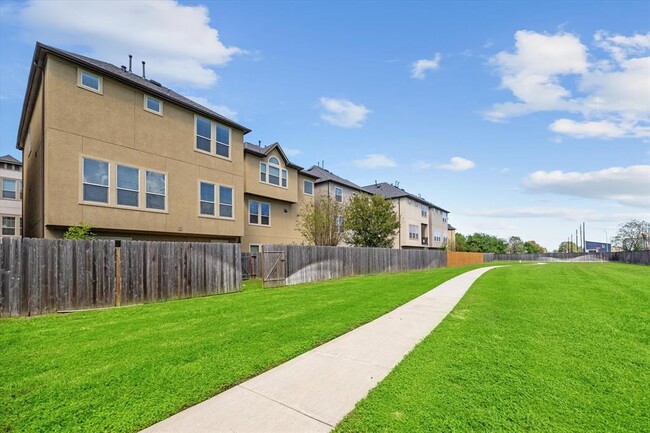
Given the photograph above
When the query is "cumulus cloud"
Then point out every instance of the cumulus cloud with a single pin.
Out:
(375, 160)
(221, 109)
(611, 97)
(628, 186)
(457, 164)
(343, 113)
(177, 41)
(292, 151)
(420, 67)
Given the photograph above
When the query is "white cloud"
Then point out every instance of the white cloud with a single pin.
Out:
(628, 186)
(177, 41)
(550, 213)
(292, 151)
(420, 67)
(457, 164)
(221, 109)
(611, 96)
(375, 160)
(421, 165)
(343, 113)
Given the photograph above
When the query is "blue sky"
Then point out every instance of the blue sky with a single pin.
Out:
(521, 118)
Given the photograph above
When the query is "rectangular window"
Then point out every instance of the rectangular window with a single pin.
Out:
(414, 233)
(8, 226)
(89, 81)
(424, 209)
(225, 202)
(262, 172)
(338, 194)
(153, 105)
(9, 187)
(156, 190)
(223, 141)
(95, 181)
(284, 178)
(308, 187)
(207, 202)
(274, 175)
(253, 248)
(259, 213)
(128, 186)
(203, 134)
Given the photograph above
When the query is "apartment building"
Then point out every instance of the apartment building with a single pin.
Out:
(135, 160)
(275, 189)
(12, 195)
(422, 223)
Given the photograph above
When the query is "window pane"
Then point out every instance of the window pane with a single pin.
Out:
(266, 209)
(308, 187)
(127, 177)
(95, 193)
(225, 195)
(8, 226)
(223, 150)
(254, 248)
(127, 198)
(207, 208)
(274, 175)
(90, 80)
(203, 143)
(155, 201)
(265, 221)
(153, 104)
(223, 134)
(207, 192)
(274, 160)
(263, 172)
(225, 210)
(9, 188)
(253, 219)
(203, 128)
(253, 207)
(95, 172)
(155, 182)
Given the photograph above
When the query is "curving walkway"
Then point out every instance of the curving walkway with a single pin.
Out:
(314, 391)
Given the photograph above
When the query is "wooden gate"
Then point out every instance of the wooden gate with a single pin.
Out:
(274, 268)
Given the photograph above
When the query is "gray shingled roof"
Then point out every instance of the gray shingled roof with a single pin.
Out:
(450, 227)
(391, 191)
(263, 151)
(10, 159)
(118, 74)
(324, 175)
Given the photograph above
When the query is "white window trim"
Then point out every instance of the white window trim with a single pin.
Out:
(248, 213)
(336, 189)
(305, 181)
(16, 225)
(126, 206)
(259, 248)
(166, 195)
(213, 139)
(217, 200)
(160, 102)
(268, 166)
(16, 191)
(82, 183)
(100, 80)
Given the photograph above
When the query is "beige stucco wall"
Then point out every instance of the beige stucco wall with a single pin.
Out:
(115, 127)
(253, 185)
(436, 222)
(409, 215)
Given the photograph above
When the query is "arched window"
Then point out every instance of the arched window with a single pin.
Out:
(272, 172)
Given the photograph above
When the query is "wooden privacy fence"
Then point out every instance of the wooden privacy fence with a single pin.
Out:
(39, 276)
(632, 257)
(304, 264)
(455, 258)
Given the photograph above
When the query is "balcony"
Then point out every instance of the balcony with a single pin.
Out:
(425, 241)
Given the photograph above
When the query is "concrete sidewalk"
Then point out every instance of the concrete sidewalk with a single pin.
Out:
(314, 391)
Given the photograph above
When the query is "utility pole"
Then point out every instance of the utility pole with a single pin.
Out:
(584, 235)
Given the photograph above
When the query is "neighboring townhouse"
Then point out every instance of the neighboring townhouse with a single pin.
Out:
(275, 189)
(11, 209)
(451, 237)
(422, 224)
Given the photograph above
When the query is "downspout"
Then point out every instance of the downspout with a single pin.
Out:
(399, 215)
(43, 139)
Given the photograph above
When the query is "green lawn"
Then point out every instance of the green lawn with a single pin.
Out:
(125, 369)
(553, 348)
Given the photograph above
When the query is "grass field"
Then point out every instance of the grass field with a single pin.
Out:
(121, 370)
(553, 348)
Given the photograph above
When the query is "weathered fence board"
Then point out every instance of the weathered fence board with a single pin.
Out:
(632, 257)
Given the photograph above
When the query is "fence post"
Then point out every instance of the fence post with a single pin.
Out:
(118, 276)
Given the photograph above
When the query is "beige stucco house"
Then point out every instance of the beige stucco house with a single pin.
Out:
(422, 223)
(11, 195)
(135, 160)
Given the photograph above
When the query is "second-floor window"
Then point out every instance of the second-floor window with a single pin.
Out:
(212, 137)
(272, 173)
(89, 81)
(128, 186)
(153, 105)
(308, 187)
(156, 191)
(437, 236)
(95, 180)
(424, 209)
(338, 194)
(209, 199)
(9, 188)
(259, 213)
(414, 232)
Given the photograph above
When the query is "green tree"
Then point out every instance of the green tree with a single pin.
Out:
(532, 247)
(320, 222)
(569, 247)
(630, 235)
(461, 242)
(370, 221)
(484, 243)
(515, 245)
(80, 231)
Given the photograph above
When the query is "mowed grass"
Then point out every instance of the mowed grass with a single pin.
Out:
(124, 369)
(552, 348)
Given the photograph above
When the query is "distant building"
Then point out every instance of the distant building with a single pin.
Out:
(598, 247)
(11, 200)
(451, 238)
